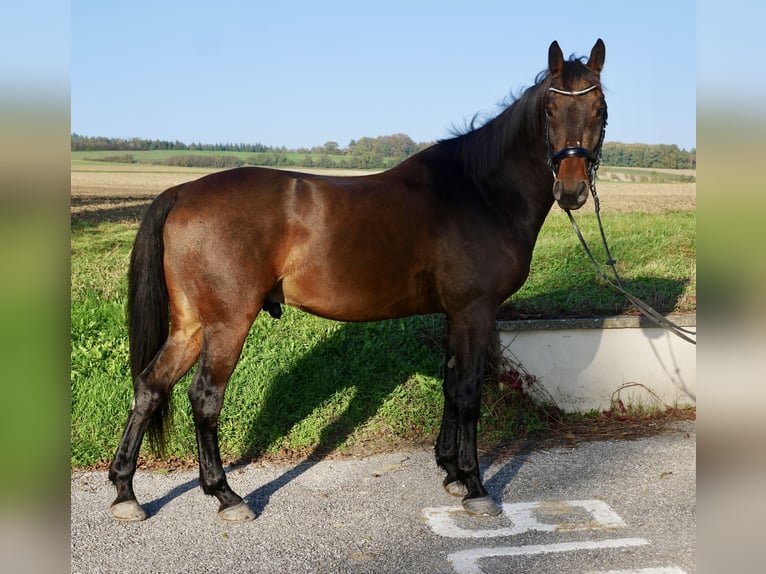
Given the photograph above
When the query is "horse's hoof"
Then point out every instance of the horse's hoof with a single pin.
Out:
(456, 488)
(483, 506)
(128, 511)
(239, 513)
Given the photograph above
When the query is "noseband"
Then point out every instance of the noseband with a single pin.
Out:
(592, 157)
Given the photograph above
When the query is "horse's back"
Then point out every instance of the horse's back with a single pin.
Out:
(351, 248)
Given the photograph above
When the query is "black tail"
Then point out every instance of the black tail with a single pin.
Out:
(148, 311)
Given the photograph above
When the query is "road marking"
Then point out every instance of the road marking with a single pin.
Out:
(467, 561)
(669, 570)
(525, 516)
(541, 516)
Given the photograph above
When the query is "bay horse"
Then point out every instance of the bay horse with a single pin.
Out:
(449, 230)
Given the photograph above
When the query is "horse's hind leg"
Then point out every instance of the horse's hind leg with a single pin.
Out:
(220, 352)
(151, 389)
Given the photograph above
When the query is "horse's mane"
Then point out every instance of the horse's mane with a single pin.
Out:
(515, 130)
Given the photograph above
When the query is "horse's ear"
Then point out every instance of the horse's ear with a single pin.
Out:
(555, 60)
(597, 54)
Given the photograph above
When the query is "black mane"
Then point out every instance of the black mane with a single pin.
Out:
(518, 129)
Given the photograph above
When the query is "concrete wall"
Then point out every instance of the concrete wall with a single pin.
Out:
(583, 362)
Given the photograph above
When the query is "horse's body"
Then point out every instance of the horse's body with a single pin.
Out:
(352, 249)
(450, 230)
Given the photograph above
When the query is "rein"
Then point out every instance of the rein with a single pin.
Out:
(617, 283)
(594, 158)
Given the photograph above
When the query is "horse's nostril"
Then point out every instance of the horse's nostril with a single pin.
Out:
(558, 188)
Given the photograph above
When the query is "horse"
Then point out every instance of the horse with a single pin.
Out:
(449, 230)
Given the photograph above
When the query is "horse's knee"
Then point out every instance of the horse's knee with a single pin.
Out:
(146, 399)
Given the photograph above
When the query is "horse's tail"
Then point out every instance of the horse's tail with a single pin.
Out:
(148, 311)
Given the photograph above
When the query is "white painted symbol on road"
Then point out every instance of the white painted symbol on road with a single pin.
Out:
(540, 516)
(670, 570)
(523, 517)
(466, 561)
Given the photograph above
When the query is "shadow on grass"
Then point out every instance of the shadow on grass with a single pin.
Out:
(591, 297)
(95, 209)
(363, 364)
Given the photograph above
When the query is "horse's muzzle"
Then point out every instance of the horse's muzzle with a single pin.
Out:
(570, 197)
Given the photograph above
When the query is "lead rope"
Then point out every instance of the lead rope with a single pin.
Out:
(645, 308)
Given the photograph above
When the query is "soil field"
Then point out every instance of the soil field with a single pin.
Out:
(121, 193)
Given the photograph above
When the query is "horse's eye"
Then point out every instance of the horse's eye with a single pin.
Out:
(601, 112)
(548, 112)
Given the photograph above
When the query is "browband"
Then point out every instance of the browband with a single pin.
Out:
(576, 93)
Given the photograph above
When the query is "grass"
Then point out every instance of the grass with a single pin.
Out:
(305, 384)
(656, 258)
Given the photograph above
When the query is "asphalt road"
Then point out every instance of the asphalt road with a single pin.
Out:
(603, 507)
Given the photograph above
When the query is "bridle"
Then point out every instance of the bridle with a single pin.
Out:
(592, 157)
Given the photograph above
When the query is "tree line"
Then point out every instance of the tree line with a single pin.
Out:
(364, 153)
(387, 146)
(98, 143)
(662, 156)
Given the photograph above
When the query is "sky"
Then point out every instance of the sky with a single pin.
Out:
(300, 73)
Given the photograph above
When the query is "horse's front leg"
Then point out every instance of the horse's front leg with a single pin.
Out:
(456, 450)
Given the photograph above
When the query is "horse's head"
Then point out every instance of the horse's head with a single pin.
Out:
(575, 119)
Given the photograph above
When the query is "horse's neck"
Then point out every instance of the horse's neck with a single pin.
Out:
(518, 178)
(522, 190)
(521, 183)
(515, 182)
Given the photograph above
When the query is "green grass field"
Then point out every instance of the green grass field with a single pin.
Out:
(80, 158)
(306, 384)
(655, 253)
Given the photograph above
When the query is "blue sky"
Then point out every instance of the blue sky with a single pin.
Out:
(303, 73)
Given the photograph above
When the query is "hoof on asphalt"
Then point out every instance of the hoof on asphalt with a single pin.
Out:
(128, 511)
(483, 506)
(239, 513)
(456, 488)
